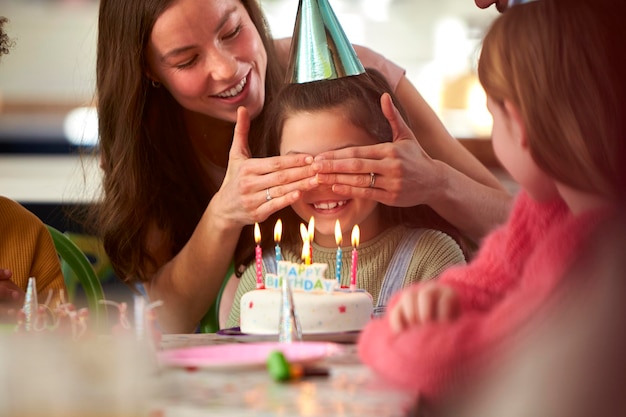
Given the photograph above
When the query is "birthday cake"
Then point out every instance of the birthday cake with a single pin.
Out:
(320, 305)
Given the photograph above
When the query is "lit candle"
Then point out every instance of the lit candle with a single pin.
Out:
(258, 257)
(338, 239)
(355, 256)
(278, 232)
(311, 233)
(306, 246)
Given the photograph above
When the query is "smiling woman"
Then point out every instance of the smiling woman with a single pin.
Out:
(210, 66)
(166, 126)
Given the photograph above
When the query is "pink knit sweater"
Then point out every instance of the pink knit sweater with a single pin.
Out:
(514, 272)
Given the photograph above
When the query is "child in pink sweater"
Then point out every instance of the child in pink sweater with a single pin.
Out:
(558, 103)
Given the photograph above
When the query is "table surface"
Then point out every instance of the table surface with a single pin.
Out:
(350, 389)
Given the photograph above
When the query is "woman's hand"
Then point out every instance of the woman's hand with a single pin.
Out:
(181, 281)
(423, 304)
(403, 174)
(254, 188)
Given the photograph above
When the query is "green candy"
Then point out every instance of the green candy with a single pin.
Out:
(278, 367)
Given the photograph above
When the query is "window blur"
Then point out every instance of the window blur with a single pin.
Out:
(47, 80)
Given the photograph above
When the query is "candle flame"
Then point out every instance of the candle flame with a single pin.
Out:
(303, 233)
(306, 252)
(338, 235)
(257, 233)
(278, 231)
(311, 229)
(355, 235)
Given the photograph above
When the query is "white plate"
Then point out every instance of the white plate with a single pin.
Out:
(337, 337)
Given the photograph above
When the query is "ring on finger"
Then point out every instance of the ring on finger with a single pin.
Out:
(372, 179)
(268, 197)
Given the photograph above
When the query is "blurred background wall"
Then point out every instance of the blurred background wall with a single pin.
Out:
(51, 68)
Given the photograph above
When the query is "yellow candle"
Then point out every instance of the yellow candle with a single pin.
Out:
(311, 233)
(306, 249)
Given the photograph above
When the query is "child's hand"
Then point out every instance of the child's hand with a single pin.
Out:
(11, 296)
(419, 305)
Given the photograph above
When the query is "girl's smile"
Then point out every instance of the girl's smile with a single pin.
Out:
(330, 207)
(316, 132)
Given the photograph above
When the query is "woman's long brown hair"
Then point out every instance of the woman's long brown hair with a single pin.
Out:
(151, 174)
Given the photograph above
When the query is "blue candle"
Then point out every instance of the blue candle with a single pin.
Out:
(338, 269)
(338, 260)
(278, 231)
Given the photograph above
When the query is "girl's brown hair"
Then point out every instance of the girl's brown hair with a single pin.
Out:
(561, 63)
(152, 177)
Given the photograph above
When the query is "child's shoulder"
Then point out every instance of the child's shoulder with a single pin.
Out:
(526, 206)
(428, 242)
(532, 216)
(13, 211)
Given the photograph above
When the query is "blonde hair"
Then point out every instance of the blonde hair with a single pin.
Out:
(560, 62)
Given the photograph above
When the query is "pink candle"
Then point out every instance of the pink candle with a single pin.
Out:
(355, 256)
(258, 258)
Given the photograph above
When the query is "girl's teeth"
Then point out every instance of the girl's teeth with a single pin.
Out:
(329, 205)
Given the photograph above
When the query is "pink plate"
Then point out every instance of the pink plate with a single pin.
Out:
(246, 354)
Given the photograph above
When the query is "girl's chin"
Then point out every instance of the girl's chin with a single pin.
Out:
(324, 230)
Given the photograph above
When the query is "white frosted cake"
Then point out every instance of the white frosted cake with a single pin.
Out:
(321, 307)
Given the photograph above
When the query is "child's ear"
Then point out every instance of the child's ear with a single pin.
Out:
(517, 125)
